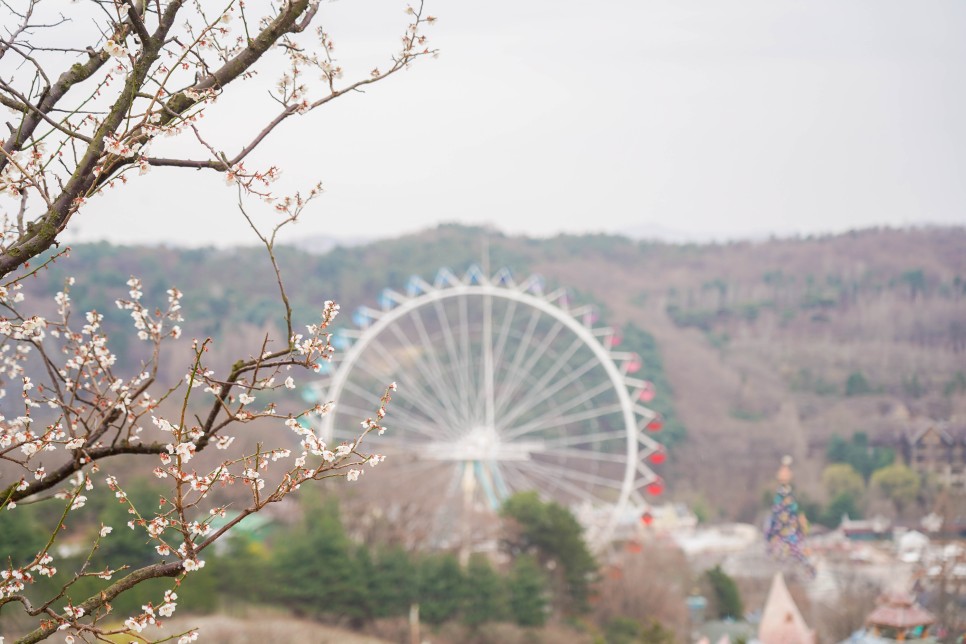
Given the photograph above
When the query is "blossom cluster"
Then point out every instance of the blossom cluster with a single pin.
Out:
(66, 419)
(139, 73)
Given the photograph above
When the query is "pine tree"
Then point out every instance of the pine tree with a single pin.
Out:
(440, 588)
(528, 600)
(727, 597)
(319, 575)
(554, 533)
(243, 559)
(393, 587)
(123, 545)
(20, 540)
(484, 598)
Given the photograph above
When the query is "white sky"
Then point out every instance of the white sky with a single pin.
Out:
(684, 119)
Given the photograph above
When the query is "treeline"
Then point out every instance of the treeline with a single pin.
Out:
(720, 300)
(639, 341)
(827, 304)
(315, 570)
(542, 571)
(862, 479)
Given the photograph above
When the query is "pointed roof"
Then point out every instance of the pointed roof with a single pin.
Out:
(781, 621)
(948, 433)
(899, 610)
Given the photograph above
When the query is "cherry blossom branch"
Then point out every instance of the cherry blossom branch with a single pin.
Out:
(154, 571)
(112, 139)
(84, 410)
(24, 105)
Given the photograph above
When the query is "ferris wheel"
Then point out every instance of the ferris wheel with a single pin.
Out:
(501, 388)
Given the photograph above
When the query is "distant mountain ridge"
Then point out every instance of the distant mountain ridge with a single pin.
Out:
(757, 340)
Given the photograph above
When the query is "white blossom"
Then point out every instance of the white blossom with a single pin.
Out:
(191, 565)
(116, 49)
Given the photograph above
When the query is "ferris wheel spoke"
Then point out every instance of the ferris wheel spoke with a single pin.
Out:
(445, 510)
(393, 443)
(498, 473)
(440, 393)
(574, 475)
(541, 478)
(411, 389)
(407, 421)
(489, 409)
(422, 428)
(423, 482)
(585, 439)
(425, 426)
(462, 362)
(361, 392)
(420, 397)
(451, 347)
(583, 454)
(505, 327)
(516, 480)
(494, 355)
(443, 384)
(475, 413)
(412, 394)
(571, 403)
(422, 476)
(560, 421)
(342, 436)
(539, 392)
(513, 370)
(511, 390)
(413, 466)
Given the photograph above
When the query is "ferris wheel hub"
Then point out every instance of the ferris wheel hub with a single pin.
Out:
(482, 443)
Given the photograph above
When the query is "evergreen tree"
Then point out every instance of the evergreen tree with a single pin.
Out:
(657, 634)
(528, 602)
(857, 385)
(393, 587)
(551, 530)
(366, 569)
(440, 586)
(243, 559)
(841, 505)
(857, 452)
(123, 545)
(484, 598)
(317, 573)
(622, 630)
(646, 346)
(20, 539)
(725, 592)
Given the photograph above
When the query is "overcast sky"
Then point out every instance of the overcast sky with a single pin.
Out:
(689, 119)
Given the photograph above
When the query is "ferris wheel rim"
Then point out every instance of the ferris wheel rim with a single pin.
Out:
(635, 476)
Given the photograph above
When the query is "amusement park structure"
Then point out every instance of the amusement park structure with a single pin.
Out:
(502, 387)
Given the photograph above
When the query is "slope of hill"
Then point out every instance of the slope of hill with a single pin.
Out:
(766, 347)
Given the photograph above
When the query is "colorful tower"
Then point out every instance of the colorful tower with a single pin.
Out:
(787, 526)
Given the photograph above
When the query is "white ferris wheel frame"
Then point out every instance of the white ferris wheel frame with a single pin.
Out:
(635, 416)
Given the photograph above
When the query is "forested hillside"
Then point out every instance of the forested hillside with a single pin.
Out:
(758, 348)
